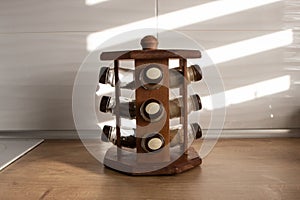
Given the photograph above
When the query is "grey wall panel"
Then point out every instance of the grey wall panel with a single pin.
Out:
(36, 79)
(245, 15)
(70, 15)
(43, 43)
(41, 59)
(277, 108)
(66, 15)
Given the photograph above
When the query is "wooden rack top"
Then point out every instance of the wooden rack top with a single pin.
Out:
(151, 54)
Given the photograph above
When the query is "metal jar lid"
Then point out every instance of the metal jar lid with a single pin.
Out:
(103, 75)
(152, 110)
(196, 129)
(104, 103)
(197, 72)
(153, 142)
(152, 74)
(195, 98)
(106, 133)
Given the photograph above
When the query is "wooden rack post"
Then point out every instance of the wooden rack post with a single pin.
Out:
(184, 114)
(117, 109)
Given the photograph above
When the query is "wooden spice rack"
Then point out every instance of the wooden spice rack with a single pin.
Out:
(142, 162)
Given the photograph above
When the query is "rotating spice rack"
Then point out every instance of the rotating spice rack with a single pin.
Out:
(165, 161)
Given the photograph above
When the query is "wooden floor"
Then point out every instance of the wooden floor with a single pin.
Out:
(235, 169)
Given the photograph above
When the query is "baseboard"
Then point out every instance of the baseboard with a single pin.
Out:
(225, 133)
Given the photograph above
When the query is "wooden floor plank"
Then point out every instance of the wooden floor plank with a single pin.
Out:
(235, 169)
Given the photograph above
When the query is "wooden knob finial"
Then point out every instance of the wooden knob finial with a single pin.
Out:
(149, 42)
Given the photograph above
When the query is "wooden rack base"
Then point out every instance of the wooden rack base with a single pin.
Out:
(128, 165)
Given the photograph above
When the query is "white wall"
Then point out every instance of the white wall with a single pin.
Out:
(42, 44)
